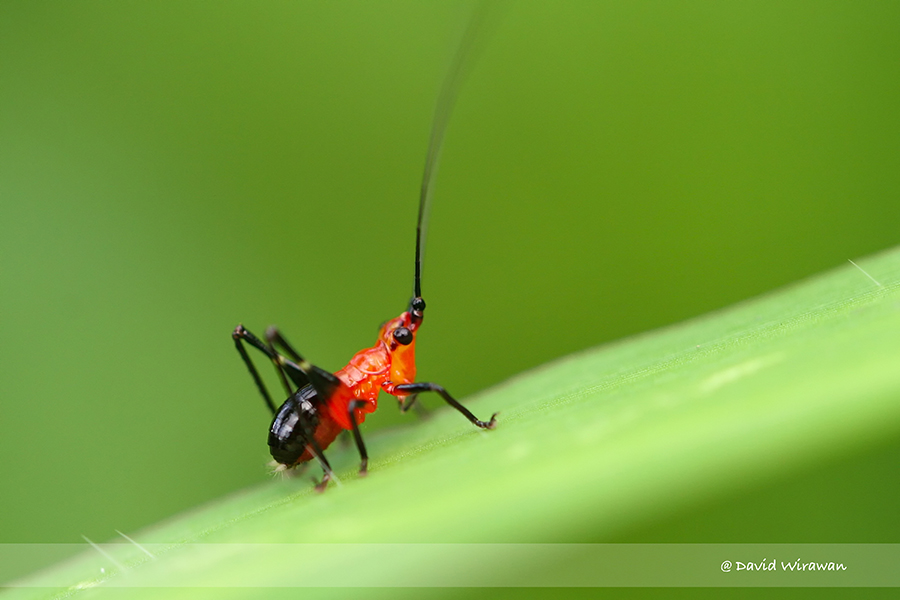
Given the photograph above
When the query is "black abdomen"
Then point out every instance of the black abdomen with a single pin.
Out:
(294, 425)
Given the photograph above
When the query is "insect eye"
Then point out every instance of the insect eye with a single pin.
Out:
(403, 336)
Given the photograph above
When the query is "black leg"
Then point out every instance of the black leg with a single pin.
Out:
(274, 337)
(357, 437)
(327, 473)
(276, 340)
(312, 446)
(240, 334)
(408, 402)
(301, 374)
(322, 380)
(281, 374)
(416, 388)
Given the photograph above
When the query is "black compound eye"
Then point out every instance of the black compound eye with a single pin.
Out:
(403, 336)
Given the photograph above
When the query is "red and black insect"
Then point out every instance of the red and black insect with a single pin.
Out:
(325, 404)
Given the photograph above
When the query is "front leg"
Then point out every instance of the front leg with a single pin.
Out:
(403, 389)
(357, 437)
(408, 402)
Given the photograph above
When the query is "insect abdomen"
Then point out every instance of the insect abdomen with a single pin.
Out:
(294, 425)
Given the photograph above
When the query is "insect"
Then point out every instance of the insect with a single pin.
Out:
(322, 404)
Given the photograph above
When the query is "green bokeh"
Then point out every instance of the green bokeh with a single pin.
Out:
(168, 170)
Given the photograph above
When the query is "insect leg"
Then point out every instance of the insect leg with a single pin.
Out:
(281, 374)
(240, 334)
(299, 374)
(416, 388)
(327, 475)
(408, 402)
(274, 337)
(357, 437)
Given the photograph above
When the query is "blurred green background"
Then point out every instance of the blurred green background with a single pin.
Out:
(168, 170)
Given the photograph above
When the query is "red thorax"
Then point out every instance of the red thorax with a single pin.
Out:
(381, 367)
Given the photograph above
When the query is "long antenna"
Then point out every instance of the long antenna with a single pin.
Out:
(462, 60)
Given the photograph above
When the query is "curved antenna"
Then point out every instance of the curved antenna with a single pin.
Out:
(459, 67)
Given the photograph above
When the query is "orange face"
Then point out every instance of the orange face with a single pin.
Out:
(399, 335)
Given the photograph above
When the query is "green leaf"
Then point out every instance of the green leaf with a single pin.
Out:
(592, 444)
